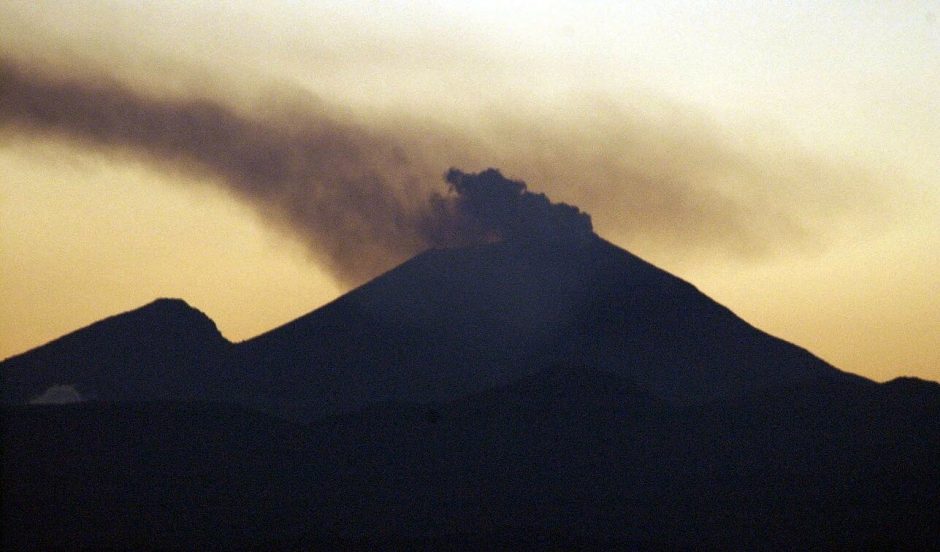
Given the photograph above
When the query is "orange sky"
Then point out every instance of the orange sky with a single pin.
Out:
(780, 157)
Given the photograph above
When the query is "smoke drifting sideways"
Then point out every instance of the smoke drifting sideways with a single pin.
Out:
(488, 206)
(356, 198)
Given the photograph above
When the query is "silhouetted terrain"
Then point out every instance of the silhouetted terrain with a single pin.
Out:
(448, 323)
(454, 321)
(526, 394)
(568, 456)
(159, 351)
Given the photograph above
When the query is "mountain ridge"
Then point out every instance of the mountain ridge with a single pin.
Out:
(444, 324)
(151, 352)
(512, 395)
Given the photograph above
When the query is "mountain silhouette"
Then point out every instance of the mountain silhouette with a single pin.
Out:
(451, 322)
(447, 323)
(159, 351)
(522, 394)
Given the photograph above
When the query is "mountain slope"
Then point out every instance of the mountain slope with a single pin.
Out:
(161, 350)
(451, 322)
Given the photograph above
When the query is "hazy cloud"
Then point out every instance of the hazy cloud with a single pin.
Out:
(352, 192)
(339, 186)
(365, 196)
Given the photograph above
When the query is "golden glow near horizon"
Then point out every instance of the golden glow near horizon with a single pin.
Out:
(780, 156)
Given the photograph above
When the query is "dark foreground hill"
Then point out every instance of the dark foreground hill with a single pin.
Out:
(566, 458)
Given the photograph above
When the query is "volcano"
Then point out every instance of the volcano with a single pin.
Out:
(451, 322)
(528, 393)
(444, 325)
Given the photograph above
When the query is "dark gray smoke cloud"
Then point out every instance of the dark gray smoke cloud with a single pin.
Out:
(364, 197)
(327, 180)
(490, 206)
(355, 195)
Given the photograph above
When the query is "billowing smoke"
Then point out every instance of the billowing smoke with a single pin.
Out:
(366, 196)
(355, 195)
(327, 180)
(488, 206)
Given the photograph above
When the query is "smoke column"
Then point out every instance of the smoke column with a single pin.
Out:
(354, 195)
(488, 206)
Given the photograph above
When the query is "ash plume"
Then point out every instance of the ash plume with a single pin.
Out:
(363, 197)
(488, 206)
(356, 197)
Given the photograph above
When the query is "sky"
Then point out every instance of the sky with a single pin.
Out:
(258, 159)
